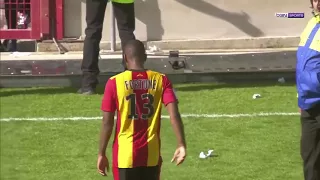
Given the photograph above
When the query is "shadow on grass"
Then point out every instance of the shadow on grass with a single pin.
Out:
(207, 86)
(100, 89)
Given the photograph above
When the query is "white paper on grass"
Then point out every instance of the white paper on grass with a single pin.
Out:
(255, 96)
(281, 80)
(202, 155)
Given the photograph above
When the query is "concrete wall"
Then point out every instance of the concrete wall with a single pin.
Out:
(200, 19)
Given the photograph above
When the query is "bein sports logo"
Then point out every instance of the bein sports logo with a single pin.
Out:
(290, 15)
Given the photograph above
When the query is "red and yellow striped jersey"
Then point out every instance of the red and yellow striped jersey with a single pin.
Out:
(137, 96)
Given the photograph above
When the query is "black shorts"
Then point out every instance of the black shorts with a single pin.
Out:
(138, 173)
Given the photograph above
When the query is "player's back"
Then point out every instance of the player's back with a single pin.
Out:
(139, 101)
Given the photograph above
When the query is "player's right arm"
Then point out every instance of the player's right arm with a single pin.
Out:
(108, 107)
(171, 102)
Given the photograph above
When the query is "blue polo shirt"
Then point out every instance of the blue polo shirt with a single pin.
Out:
(308, 65)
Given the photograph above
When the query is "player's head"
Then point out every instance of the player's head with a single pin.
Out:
(315, 4)
(134, 54)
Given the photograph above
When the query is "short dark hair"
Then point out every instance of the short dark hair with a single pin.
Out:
(311, 1)
(135, 49)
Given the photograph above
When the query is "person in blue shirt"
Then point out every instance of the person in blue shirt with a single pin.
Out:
(308, 87)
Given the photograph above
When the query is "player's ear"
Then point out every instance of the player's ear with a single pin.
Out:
(145, 57)
(125, 59)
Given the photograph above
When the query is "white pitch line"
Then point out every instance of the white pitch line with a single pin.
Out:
(164, 117)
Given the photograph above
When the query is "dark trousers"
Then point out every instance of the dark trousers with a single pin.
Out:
(310, 143)
(95, 11)
(138, 173)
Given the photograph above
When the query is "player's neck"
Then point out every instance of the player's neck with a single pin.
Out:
(136, 68)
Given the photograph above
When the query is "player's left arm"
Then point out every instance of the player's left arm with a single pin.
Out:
(108, 107)
(170, 100)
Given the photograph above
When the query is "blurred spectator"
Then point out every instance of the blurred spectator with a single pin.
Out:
(17, 14)
(95, 10)
(3, 22)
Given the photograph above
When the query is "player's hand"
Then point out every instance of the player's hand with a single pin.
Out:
(179, 155)
(102, 165)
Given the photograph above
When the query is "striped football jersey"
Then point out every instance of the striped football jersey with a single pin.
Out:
(137, 97)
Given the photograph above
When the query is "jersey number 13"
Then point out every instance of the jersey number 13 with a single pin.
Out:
(148, 105)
